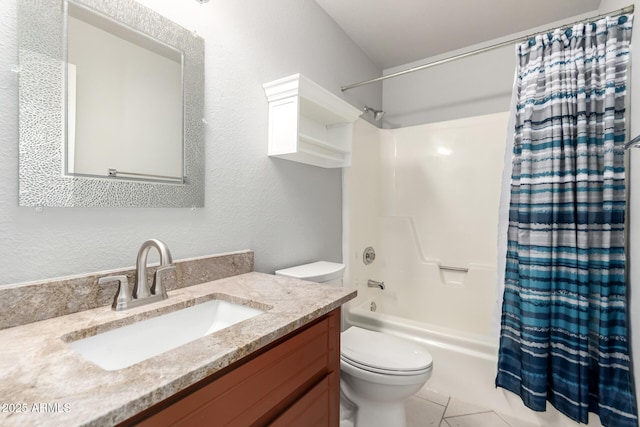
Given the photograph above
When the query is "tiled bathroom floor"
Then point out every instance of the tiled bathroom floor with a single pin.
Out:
(428, 408)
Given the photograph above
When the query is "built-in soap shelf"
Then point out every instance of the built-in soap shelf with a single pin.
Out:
(309, 124)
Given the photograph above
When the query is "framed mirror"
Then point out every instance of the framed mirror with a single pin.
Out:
(110, 106)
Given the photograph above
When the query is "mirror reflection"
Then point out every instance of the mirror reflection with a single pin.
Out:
(124, 101)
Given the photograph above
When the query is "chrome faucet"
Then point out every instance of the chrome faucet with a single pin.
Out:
(143, 294)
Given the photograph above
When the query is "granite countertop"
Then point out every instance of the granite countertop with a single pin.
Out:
(44, 382)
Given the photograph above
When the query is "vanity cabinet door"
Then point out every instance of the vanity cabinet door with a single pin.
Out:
(294, 382)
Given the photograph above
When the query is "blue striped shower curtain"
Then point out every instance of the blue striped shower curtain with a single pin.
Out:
(563, 332)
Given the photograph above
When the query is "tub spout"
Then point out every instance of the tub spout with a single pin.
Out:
(375, 284)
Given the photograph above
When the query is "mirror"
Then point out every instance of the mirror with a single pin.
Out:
(124, 101)
(111, 105)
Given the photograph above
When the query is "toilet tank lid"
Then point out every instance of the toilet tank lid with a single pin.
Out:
(320, 271)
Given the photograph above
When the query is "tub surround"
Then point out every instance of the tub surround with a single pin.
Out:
(34, 301)
(38, 368)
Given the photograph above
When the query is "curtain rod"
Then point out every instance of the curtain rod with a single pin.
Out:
(628, 9)
(634, 143)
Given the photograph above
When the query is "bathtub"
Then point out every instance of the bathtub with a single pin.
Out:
(464, 364)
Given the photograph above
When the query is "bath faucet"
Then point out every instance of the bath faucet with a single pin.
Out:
(142, 294)
(374, 284)
(142, 289)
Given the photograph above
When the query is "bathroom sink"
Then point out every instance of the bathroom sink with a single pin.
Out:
(130, 344)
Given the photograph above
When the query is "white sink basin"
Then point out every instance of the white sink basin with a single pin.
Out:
(128, 345)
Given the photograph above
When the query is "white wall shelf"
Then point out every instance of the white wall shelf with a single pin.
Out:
(309, 124)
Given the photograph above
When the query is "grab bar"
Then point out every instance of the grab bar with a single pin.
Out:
(451, 268)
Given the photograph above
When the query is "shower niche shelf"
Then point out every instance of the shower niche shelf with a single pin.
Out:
(309, 124)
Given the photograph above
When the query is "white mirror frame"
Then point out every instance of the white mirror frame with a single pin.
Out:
(42, 87)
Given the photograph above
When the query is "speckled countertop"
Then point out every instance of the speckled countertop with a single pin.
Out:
(44, 382)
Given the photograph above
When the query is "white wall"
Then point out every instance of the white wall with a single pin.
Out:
(288, 213)
(473, 86)
(464, 88)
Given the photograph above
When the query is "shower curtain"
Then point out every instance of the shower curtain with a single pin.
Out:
(563, 332)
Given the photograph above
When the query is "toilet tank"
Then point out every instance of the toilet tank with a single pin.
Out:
(321, 272)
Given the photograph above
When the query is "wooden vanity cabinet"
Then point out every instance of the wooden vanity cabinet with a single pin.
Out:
(292, 382)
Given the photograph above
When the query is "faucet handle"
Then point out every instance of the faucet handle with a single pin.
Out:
(123, 297)
(158, 287)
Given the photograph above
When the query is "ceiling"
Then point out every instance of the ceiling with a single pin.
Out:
(396, 32)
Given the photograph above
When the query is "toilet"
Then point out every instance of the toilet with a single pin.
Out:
(379, 371)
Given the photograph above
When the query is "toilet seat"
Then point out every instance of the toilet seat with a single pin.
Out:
(388, 372)
(382, 353)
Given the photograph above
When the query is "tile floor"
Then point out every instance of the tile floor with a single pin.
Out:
(428, 408)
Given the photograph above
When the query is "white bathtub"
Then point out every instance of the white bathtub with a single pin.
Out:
(464, 364)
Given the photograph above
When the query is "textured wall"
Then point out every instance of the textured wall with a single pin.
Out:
(286, 212)
(473, 86)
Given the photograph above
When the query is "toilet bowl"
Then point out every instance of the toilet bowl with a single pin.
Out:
(378, 371)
